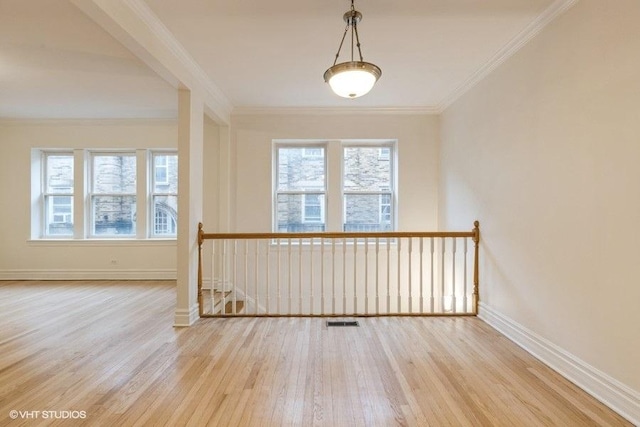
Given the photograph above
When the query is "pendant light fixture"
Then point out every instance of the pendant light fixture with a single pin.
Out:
(352, 79)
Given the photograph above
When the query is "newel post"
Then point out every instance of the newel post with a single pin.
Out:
(476, 241)
(200, 242)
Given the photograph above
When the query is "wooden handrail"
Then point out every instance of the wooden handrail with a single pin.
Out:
(338, 235)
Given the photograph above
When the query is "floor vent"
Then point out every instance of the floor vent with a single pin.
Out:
(341, 323)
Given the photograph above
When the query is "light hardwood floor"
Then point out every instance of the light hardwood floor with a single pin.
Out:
(109, 349)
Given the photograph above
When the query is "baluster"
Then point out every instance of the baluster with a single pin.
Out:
(377, 275)
(234, 296)
(256, 276)
(421, 276)
(442, 306)
(322, 275)
(311, 245)
(388, 243)
(224, 276)
(344, 276)
(290, 272)
(246, 275)
(432, 284)
(410, 299)
(267, 265)
(333, 276)
(399, 278)
(278, 294)
(300, 276)
(366, 275)
(464, 283)
(213, 275)
(355, 275)
(453, 276)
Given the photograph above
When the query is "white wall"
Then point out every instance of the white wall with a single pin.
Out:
(545, 153)
(417, 136)
(21, 258)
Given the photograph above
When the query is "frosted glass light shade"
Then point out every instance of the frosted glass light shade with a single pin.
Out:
(352, 79)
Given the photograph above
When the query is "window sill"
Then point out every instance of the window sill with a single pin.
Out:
(102, 242)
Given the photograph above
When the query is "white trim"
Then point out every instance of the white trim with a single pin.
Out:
(556, 9)
(309, 111)
(88, 274)
(134, 121)
(184, 318)
(618, 396)
(120, 243)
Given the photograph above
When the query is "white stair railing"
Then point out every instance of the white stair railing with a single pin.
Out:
(338, 274)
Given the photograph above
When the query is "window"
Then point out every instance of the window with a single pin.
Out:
(58, 194)
(385, 209)
(313, 209)
(119, 186)
(300, 195)
(113, 194)
(365, 194)
(366, 186)
(161, 170)
(164, 194)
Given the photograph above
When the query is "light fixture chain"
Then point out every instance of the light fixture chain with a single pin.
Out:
(341, 42)
(355, 28)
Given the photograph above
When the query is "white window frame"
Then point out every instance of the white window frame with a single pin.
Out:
(92, 194)
(334, 209)
(47, 208)
(155, 169)
(305, 147)
(390, 191)
(305, 218)
(83, 192)
(153, 194)
(388, 204)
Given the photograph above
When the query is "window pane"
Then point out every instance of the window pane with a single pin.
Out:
(113, 174)
(165, 215)
(301, 168)
(367, 169)
(59, 177)
(165, 173)
(59, 215)
(114, 215)
(367, 212)
(300, 213)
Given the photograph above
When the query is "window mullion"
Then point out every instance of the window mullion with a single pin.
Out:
(333, 198)
(143, 189)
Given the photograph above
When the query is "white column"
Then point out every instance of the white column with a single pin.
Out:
(190, 186)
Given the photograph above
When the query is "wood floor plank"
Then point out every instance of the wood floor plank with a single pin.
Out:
(109, 348)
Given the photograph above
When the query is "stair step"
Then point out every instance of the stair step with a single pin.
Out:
(228, 308)
(217, 302)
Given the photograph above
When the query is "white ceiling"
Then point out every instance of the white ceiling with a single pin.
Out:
(56, 62)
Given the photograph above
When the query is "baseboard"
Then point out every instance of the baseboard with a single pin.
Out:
(186, 317)
(619, 397)
(77, 274)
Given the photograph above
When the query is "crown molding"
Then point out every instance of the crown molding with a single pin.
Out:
(312, 111)
(556, 9)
